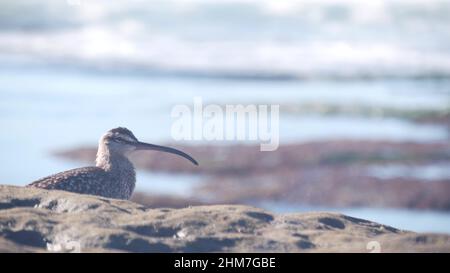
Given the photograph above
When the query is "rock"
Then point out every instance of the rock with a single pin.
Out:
(165, 200)
(35, 220)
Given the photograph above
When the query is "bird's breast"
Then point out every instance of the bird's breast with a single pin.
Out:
(123, 180)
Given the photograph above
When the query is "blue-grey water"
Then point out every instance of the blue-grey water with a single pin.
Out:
(70, 72)
(47, 110)
(413, 220)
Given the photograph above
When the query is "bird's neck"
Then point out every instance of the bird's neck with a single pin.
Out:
(120, 169)
(111, 161)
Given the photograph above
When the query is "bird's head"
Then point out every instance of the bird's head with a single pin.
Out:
(122, 141)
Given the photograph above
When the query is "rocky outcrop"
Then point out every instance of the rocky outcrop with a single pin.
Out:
(34, 220)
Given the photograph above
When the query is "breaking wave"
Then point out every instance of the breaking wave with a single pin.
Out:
(238, 39)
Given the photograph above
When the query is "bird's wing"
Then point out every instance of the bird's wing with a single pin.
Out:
(82, 180)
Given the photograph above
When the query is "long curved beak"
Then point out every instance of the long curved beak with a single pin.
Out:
(146, 146)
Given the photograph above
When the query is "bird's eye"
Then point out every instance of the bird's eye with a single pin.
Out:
(120, 140)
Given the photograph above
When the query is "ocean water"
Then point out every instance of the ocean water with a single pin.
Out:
(411, 220)
(236, 38)
(48, 110)
(70, 70)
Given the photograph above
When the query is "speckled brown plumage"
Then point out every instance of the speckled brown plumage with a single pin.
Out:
(113, 176)
(87, 180)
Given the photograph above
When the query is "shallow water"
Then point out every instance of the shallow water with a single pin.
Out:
(179, 185)
(412, 220)
(430, 172)
(43, 110)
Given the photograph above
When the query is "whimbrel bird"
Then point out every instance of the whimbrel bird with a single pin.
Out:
(114, 175)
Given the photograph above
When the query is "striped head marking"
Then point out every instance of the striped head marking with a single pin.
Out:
(120, 135)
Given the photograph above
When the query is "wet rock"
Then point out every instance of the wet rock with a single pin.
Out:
(35, 220)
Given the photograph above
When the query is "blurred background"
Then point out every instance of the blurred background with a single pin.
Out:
(363, 89)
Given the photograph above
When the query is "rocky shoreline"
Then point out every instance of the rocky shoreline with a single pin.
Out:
(35, 220)
(333, 173)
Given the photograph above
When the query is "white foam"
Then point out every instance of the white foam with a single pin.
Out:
(346, 38)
